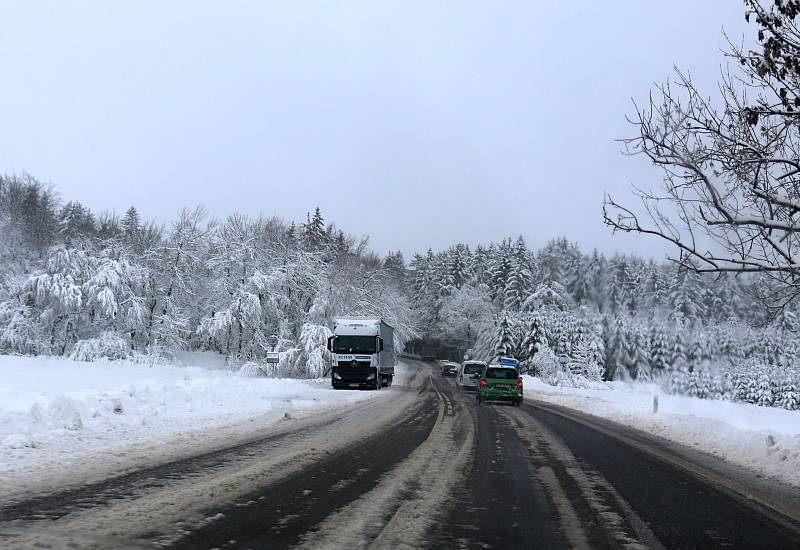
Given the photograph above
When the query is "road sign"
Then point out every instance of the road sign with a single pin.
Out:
(563, 359)
(509, 362)
(273, 357)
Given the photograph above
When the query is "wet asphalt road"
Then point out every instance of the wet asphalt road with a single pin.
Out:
(535, 476)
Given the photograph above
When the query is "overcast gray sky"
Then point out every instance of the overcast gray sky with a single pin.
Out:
(418, 123)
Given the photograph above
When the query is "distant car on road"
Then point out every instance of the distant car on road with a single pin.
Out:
(469, 374)
(500, 383)
(450, 369)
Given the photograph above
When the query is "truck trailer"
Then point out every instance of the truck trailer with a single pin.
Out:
(362, 354)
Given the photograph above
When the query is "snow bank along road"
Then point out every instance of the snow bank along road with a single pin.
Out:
(423, 467)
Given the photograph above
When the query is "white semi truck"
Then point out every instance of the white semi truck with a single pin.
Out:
(362, 354)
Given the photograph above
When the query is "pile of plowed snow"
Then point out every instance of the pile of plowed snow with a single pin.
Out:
(56, 412)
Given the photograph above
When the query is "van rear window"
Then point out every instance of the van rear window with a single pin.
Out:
(503, 374)
(473, 368)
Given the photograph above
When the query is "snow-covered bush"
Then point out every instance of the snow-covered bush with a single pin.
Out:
(314, 360)
(545, 364)
(155, 356)
(287, 362)
(109, 345)
(252, 369)
(19, 331)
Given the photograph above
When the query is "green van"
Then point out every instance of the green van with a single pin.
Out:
(500, 383)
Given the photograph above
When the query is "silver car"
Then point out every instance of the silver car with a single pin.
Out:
(468, 375)
(450, 369)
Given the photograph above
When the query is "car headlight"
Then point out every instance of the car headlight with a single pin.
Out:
(371, 376)
(337, 376)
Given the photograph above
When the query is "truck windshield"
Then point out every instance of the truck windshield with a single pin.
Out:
(354, 344)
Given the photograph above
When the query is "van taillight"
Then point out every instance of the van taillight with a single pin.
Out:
(483, 382)
(519, 383)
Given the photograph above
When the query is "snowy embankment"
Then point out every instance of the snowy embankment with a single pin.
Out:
(58, 416)
(763, 439)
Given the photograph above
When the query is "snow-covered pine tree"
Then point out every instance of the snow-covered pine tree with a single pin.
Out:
(479, 265)
(459, 265)
(704, 384)
(314, 236)
(597, 280)
(790, 393)
(659, 354)
(499, 270)
(513, 292)
(576, 277)
(633, 298)
(534, 338)
(551, 261)
(763, 391)
(686, 297)
(131, 224)
(596, 356)
(613, 347)
(692, 383)
(677, 352)
(504, 338)
(617, 284)
(578, 364)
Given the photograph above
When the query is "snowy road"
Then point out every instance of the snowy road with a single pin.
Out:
(423, 467)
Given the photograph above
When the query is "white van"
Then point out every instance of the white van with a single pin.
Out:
(466, 374)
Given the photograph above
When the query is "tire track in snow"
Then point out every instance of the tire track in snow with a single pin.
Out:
(159, 503)
(409, 499)
(649, 495)
(619, 526)
(278, 515)
(501, 482)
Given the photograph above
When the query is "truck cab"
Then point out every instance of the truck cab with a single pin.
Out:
(362, 354)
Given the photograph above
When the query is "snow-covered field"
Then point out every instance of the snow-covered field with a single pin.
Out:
(763, 439)
(58, 415)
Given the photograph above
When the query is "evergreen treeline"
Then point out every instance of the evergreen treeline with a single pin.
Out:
(611, 318)
(89, 285)
(85, 285)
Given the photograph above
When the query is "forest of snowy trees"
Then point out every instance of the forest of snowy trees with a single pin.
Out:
(89, 285)
(613, 318)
